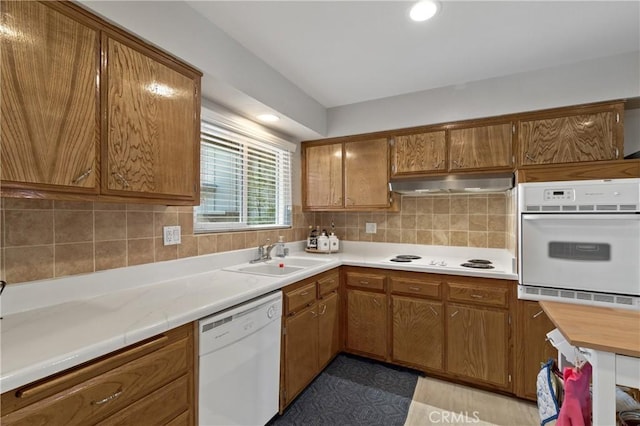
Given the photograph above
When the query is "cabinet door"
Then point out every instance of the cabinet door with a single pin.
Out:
(574, 138)
(328, 329)
(477, 344)
(367, 323)
(323, 176)
(417, 154)
(366, 171)
(50, 98)
(418, 332)
(152, 145)
(485, 147)
(535, 347)
(300, 351)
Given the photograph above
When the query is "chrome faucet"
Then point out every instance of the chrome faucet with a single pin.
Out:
(264, 252)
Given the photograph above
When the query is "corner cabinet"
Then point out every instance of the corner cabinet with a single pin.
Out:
(107, 117)
(346, 175)
(151, 382)
(571, 135)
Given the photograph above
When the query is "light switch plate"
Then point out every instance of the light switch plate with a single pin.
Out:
(370, 228)
(171, 235)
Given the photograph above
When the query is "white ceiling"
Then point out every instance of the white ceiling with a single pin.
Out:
(345, 52)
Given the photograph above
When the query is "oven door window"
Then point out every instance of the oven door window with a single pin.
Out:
(592, 252)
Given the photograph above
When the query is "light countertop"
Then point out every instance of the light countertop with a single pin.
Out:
(52, 325)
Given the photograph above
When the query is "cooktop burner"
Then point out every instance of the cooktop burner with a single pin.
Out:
(481, 261)
(405, 258)
(477, 265)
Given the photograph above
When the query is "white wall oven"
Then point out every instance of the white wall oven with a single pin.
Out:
(580, 242)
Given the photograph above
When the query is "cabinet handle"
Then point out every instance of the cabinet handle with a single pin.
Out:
(617, 152)
(304, 293)
(314, 314)
(107, 399)
(324, 309)
(350, 201)
(433, 310)
(477, 296)
(85, 175)
(458, 165)
(376, 302)
(120, 178)
(528, 157)
(454, 314)
(437, 165)
(415, 288)
(364, 282)
(538, 314)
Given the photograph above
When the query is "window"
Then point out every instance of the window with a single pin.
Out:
(245, 182)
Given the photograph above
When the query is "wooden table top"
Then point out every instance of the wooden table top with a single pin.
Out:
(599, 328)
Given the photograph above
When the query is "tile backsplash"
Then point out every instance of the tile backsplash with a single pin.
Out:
(43, 239)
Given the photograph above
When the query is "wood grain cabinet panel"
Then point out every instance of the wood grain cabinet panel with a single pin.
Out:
(483, 147)
(150, 125)
(323, 176)
(366, 174)
(367, 323)
(569, 139)
(49, 97)
(300, 351)
(533, 347)
(418, 154)
(418, 332)
(328, 328)
(477, 343)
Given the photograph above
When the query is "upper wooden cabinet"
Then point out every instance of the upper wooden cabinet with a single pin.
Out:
(91, 112)
(150, 134)
(419, 153)
(50, 98)
(572, 135)
(347, 175)
(481, 147)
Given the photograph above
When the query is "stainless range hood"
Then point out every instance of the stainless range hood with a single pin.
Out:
(454, 184)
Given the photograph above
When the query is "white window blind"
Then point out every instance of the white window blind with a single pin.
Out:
(245, 183)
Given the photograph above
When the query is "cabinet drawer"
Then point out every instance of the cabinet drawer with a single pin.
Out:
(371, 281)
(300, 298)
(415, 287)
(328, 284)
(493, 296)
(107, 393)
(158, 408)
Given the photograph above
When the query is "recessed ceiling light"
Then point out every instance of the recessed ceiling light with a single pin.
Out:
(269, 118)
(423, 10)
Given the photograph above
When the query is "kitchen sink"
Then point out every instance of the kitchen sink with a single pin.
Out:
(273, 267)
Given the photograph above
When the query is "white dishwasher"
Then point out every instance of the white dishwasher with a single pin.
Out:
(240, 363)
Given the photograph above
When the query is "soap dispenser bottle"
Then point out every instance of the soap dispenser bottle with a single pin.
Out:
(280, 247)
(334, 243)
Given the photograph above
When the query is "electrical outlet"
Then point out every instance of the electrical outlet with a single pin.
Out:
(171, 235)
(370, 228)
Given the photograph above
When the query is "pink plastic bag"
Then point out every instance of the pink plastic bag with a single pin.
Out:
(576, 407)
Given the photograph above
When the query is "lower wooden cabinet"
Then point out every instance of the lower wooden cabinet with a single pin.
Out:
(478, 343)
(418, 332)
(367, 323)
(311, 331)
(533, 347)
(151, 382)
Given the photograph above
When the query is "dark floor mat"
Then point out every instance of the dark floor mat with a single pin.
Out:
(353, 391)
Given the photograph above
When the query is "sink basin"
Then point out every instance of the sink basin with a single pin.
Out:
(273, 268)
(269, 269)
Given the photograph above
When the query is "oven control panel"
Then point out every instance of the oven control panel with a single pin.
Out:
(559, 194)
